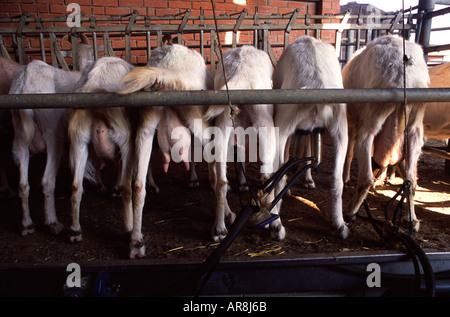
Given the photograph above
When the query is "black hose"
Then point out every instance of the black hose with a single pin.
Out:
(411, 244)
(289, 185)
(200, 277)
(413, 249)
(195, 282)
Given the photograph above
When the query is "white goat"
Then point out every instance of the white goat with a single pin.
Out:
(7, 68)
(380, 65)
(246, 68)
(109, 131)
(171, 67)
(310, 63)
(40, 130)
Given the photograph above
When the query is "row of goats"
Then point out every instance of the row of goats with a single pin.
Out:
(126, 135)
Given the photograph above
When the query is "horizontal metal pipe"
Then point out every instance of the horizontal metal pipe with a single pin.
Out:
(219, 97)
(435, 151)
(122, 19)
(193, 28)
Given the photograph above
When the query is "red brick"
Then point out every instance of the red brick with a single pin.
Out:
(49, 2)
(116, 11)
(11, 8)
(163, 12)
(278, 3)
(131, 3)
(156, 3)
(106, 3)
(59, 9)
(203, 5)
(89, 10)
(227, 7)
(177, 4)
(257, 2)
(326, 4)
(22, 1)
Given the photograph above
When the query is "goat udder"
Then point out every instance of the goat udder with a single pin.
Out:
(103, 145)
(388, 144)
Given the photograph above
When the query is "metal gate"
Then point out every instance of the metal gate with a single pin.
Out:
(140, 34)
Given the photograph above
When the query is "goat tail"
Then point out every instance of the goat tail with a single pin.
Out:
(214, 111)
(401, 119)
(90, 173)
(150, 79)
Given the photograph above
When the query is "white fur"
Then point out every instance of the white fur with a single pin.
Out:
(171, 67)
(309, 63)
(85, 128)
(246, 68)
(380, 65)
(40, 130)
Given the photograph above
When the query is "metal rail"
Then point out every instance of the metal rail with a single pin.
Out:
(219, 97)
(343, 273)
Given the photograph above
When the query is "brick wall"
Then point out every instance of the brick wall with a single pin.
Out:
(105, 8)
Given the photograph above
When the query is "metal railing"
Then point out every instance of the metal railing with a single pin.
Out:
(267, 32)
(220, 97)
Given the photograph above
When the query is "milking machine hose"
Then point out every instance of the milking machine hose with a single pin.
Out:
(413, 249)
(197, 280)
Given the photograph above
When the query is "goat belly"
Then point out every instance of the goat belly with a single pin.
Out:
(388, 143)
(104, 147)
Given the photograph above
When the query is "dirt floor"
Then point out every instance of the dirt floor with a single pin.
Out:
(178, 220)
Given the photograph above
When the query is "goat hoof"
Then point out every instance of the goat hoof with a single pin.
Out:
(218, 234)
(153, 189)
(75, 236)
(56, 228)
(194, 184)
(343, 232)
(309, 184)
(137, 249)
(415, 224)
(278, 231)
(116, 193)
(25, 230)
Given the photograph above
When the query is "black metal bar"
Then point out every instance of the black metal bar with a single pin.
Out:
(436, 48)
(426, 6)
(219, 97)
(338, 272)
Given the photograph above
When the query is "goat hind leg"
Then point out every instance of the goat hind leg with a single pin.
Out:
(79, 153)
(23, 157)
(48, 185)
(415, 140)
(144, 144)
(276, 227)
(223, 211)
(365, 175)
